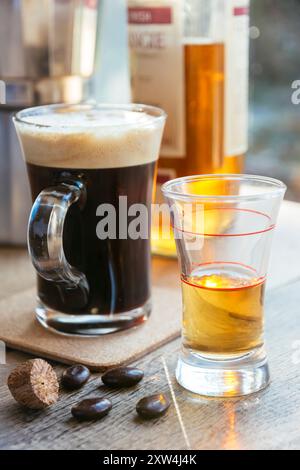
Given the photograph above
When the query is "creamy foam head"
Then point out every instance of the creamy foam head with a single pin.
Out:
(86, 136)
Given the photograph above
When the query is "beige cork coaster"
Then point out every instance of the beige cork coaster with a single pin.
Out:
(21, 331)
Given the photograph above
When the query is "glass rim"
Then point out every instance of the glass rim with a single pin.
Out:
(156, 113)
(278, 188)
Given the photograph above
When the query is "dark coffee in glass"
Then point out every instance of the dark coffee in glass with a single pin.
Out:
(87, 164)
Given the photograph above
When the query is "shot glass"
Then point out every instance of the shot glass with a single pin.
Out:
(223, 227)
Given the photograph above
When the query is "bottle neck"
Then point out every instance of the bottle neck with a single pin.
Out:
(204, 20)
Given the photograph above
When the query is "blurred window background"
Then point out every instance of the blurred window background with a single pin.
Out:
(274, 66)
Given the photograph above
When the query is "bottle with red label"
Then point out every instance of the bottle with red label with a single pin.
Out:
(190, 57)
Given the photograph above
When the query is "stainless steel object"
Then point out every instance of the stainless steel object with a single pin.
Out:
(47, 50)
(14, 189)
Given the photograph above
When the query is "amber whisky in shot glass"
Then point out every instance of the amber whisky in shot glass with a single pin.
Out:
(223, 237)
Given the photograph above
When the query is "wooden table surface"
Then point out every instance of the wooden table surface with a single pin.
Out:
(268, 420)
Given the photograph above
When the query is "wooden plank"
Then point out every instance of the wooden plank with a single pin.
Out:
(269, 420)
(266, 420)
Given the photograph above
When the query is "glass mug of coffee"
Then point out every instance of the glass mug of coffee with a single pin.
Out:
(90, 168)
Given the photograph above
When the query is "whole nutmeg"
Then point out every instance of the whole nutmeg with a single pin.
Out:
(34, 384)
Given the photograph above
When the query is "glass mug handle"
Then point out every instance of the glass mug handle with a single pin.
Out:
(45, 236)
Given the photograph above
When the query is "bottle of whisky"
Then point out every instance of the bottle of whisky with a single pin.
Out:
(190, 57)
(236, 85)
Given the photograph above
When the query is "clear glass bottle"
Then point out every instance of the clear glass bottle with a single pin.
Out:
(190, 57)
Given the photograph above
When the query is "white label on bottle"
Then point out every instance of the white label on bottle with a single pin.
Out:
(237, 81)
(157, 66)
